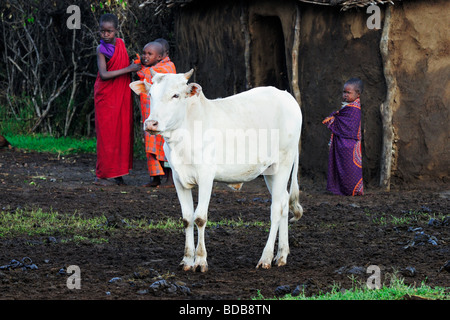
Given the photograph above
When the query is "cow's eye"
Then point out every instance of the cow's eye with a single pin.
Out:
(175, 96)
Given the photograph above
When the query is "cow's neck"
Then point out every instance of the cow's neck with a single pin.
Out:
(199, 117)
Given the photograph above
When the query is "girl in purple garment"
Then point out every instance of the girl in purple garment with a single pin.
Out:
(345, 159)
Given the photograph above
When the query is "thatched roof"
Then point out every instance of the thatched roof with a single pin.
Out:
(344, 4)
(347, 4)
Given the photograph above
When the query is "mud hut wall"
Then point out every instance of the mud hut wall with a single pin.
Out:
(209, 38)
(335, 46)
(271, 28)
(420, 52)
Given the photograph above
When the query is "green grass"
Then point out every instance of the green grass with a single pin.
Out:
(64, 145)
(25, 114)
(36, 222)
(171, 224)
(74, 228)
(406, 218)
(143, 224)
(45, 143)
(395, 290)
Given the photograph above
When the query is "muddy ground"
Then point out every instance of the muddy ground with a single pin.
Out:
(334, 242)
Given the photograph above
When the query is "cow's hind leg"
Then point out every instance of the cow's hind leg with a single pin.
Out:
(279, 211)
(283, 238)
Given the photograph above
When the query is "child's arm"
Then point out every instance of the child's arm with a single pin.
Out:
(106, 75)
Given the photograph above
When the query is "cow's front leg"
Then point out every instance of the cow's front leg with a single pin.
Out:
(201, 218)
(187, 209)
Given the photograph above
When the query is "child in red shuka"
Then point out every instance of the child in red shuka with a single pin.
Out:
(113, 105)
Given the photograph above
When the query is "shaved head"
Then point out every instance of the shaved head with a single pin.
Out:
(165, 45)
(158, 47)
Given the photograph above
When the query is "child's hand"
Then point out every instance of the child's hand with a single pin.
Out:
(138, 60)
(134, 67)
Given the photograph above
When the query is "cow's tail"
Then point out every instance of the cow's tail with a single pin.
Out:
(294, 193)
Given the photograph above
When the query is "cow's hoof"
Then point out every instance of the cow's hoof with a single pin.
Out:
(280, 260)
(186, 265)
(280, 263)
(263, 265)
(202, 267)
(187, 268)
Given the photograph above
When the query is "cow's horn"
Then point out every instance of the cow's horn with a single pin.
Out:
(188, 74)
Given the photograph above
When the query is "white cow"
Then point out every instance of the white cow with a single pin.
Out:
(231, 140)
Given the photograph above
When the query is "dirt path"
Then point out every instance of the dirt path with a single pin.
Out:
(338, 237)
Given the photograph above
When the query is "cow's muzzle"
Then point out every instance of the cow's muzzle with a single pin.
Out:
(151, 126)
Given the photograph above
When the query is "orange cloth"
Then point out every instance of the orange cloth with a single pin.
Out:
(153, 143)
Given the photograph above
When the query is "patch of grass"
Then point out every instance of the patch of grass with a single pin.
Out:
(78, 229)
(177, 224)
(8, 122)
(237, 224)
(46, 143)
(406, 218)
(169, 224)
(78, 239)
(75, 228)
(395, 290)
(63, 145)
(37, 222)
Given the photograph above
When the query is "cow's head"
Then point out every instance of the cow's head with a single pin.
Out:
(170, 96)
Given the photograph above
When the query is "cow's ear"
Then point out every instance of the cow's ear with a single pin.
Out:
(193, 89)
(140, 87)
(157, 77)
(147, 86)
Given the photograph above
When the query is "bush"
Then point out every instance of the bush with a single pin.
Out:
(47, 71)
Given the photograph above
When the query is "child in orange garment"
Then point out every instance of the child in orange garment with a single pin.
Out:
(154, 57)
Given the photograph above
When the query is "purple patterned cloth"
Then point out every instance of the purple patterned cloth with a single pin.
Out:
(107, 49)
(345, 159)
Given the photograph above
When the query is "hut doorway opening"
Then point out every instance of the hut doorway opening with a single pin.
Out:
(268, 54)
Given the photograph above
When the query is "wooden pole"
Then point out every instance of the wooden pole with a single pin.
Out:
(295, 54)
(245, 30)
(387, 105)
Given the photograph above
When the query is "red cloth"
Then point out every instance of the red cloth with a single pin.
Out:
(114, 118)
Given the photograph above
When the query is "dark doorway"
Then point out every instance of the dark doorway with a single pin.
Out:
(268, 56)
